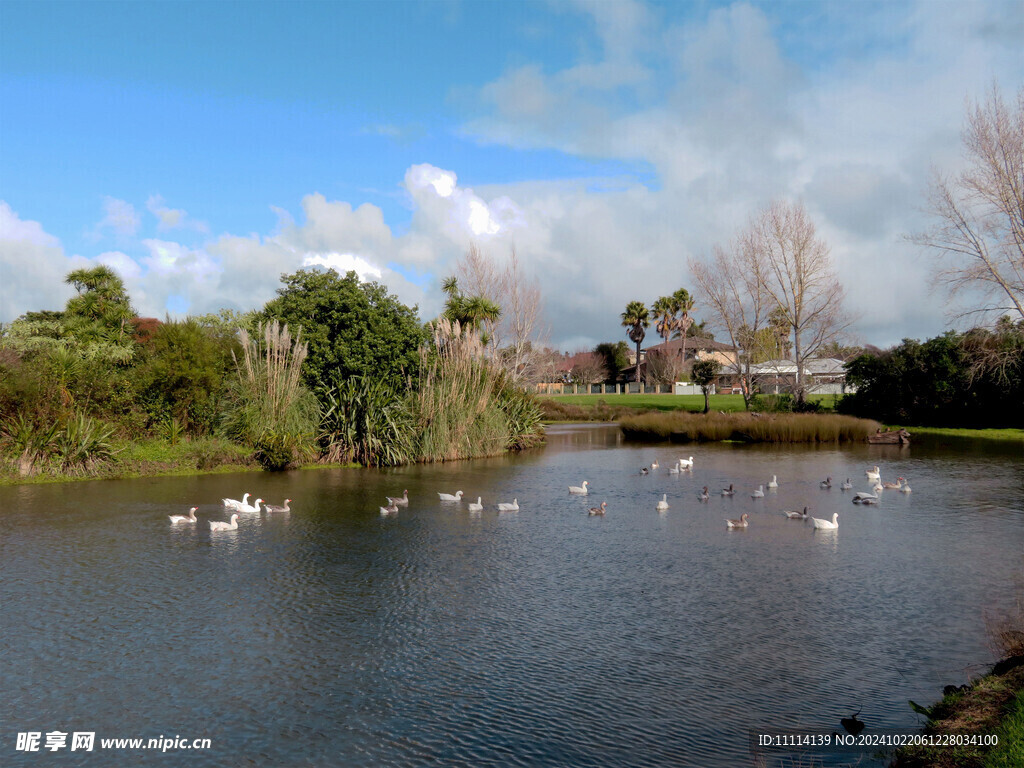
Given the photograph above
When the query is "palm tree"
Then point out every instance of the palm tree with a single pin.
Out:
(664, 312)
(682, 304)
(469, 310)
(636, 319)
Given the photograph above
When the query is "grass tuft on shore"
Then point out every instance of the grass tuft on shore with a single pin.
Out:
(744, 427)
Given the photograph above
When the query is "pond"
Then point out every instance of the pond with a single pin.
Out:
(331, 635)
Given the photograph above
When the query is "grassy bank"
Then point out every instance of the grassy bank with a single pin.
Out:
(991, 706)
(745, 427)
(948, 434)
(149, 457)
(613, 407)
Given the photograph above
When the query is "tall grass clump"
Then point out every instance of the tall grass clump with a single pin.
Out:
(753, 428)
(465, 407)
(270, 408)
(367, 421)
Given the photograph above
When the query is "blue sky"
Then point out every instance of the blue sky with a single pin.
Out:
(205, 148)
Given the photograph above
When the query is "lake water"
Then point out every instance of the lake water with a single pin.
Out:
(331, 636)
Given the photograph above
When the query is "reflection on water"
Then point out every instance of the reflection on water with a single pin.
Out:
(334, 636)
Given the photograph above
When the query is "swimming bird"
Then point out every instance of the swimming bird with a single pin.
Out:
(476, 506)
(399, 501)
(825, 525)
(217, 525)
(579, 489)
(663, 504)
(861, 496)
(796, 515)
(728, 491)
(869, 500)
(598, 510)
(450, 497)
(513, 507)
(846, 486)
(254, 507)
(281, 507)
(741, 523)
(893, 486)
(235, 503)
(906, 486)
(189, 518)
(759, 493)
(877, 487)
(391, 509)
(873, 474)
(852, 725)
(643, 470)
(686, 463)
(703, 495)
(674, 470)
(826, 483)
(773, 483)
(655, 465)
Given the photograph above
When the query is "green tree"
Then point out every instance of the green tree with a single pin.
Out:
(102, 309)
(470, 311)
(615, 355)
(704, 373)
(636, 320)
(351, 328)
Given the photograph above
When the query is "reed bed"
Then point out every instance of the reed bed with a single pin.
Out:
(748, 427)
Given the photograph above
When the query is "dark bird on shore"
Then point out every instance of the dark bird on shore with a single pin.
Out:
(852, 725)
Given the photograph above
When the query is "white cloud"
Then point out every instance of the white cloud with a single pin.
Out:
(32, 267)
(120, 217)
(171, 218)
(342, 263)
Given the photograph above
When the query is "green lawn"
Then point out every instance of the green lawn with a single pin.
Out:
(727, 403)
(999, 435)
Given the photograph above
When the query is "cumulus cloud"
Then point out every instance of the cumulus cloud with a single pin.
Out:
(32, 267)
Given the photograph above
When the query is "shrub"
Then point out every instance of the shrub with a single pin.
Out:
(365, 420)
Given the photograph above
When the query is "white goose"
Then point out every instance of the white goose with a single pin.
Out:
(254, 507)
(873, 474)
(877, 487)
(449, 497)
(663, 504)
(235, 503)
(759, 493)
(513, 507)
(796, 515)
(598, 510)
(862, 497)
(581, 490)
(476, 506)
(399, 501)
(686, 463)
(189, 518)
(391, 509)
(741, 523)
(906, 486)
(846, 486)
(774, 482)
(674, 470)
(280, 507)
(217, 525)
(655, 464)
(825, 525)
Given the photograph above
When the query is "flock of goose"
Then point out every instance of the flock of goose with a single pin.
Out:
(239, 507)
(873, 475)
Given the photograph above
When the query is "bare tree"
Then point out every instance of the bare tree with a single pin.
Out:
(980, 228)
(800, 282)
(730, 285)
(589, 369)
(517, 333)
(662, 367)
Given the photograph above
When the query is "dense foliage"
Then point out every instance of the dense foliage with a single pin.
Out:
(330, 370)
(973, 379)
(351, 328)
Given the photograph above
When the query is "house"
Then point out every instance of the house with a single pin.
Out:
(821, 376)
(698, 348)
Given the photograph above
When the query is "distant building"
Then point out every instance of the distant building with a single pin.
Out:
(822, 376)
